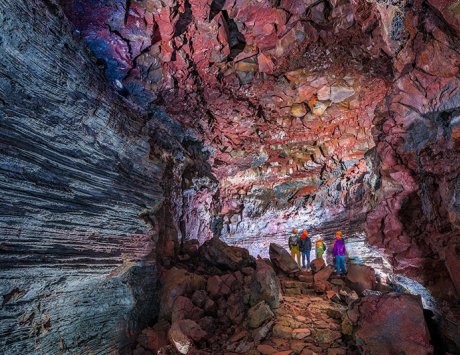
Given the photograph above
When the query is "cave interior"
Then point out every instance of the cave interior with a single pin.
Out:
(155, 156)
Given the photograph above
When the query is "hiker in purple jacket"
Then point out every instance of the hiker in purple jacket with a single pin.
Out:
(338, 253)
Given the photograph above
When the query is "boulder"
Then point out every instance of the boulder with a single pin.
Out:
(390, 324)
(360, 278)
(282, 331)
(216, 287)
(199, 298)
(177, 282)
(261, 333)
(183, 308)
(322, 286)
(323, 275)
(259, 314)
(317, 265)
(265, 285)
(348, 296)
(282, 260)
(225, 257)
(155, 337)
(183, 335)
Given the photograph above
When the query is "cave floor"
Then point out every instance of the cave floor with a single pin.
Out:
(305, 322)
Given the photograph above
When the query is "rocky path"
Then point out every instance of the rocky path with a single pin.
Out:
(306, 323)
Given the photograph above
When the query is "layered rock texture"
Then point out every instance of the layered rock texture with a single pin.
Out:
(132, 132)
(81, 174)
(312, 110)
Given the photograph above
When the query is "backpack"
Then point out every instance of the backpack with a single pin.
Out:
(294, 241)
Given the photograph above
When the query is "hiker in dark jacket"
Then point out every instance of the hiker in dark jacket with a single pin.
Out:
(305, 248)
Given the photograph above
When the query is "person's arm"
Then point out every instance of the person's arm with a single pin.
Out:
(289, 242)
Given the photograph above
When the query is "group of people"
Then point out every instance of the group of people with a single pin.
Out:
(301, 245)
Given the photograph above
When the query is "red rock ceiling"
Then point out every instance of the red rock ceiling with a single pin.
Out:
(310, 108)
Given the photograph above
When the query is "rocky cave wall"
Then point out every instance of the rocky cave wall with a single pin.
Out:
(314, 111)
(83, 190)
(324, 114)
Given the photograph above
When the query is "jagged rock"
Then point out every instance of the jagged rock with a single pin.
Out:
(282, 260)
(340, 93)
(265, 285)
(317, 265)
(183, 334)
(348, 297)
(323, 275)
(177, 282)
(282, 331)
(361, 277)
(260, 333)
(259, 314)
(216, 287)
(183, 308)
(391, 323)
(156, 337)
(199, 298)
(225, 257)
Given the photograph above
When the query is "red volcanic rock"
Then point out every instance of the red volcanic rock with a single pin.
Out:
(177, 282)
(389, 324)
(265, 285)
(183, 308)
(450, 11)
(453, 264)
(317, 265)
(217, 253)
(183, 334)
(282, 260)
(323, 274)
(156, 337)
(361, 277)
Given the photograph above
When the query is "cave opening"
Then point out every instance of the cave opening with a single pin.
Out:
(156, 157)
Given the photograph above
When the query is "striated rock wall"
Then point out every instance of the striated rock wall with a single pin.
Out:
(81, 175)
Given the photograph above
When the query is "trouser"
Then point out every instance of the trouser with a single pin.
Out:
(306, 253)
(340, 264)
(296, 253)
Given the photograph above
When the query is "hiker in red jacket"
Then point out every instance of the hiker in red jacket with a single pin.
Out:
(338, 253)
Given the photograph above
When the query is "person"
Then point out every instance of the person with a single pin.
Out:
(293, 243)
(305, 249)
(320, 248)
(338, 252)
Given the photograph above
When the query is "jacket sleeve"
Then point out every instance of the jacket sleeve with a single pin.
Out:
(334, 250)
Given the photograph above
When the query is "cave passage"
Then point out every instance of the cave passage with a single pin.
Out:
(155, 157)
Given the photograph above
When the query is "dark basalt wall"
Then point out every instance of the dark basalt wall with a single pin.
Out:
(77, 170)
